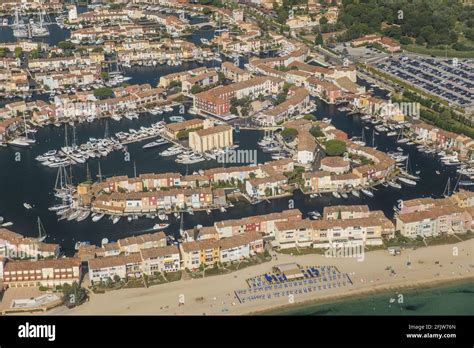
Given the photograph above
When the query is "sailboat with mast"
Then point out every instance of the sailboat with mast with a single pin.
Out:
(401, 139)
(23, 141)
(359, 141)
(41, 231)
(406, 177)
(447, 189)
(39, 29)
(62, 191)
(19, 28)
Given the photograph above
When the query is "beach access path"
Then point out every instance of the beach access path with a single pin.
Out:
(214, 295)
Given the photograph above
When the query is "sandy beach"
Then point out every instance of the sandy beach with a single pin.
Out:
(215, 295)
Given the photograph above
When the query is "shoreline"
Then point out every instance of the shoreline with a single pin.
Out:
(215, 295)
(363, 294)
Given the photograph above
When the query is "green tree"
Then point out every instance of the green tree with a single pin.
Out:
(103, 92)
(175, 83)
(34, 54)
(3, 52)
(196, 89)
(18, 52)
(220, 77)
(405, 40)
(316, 132)
(289, 134)
(268, 191)
(335, 147)
(65, 45)
(319, 39)
(73, 295)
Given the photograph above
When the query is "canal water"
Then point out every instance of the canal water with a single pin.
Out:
(23, 179)
(57, 34)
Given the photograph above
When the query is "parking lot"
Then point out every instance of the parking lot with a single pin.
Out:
(449, 79)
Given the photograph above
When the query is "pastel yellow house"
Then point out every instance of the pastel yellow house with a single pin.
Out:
(201, 252)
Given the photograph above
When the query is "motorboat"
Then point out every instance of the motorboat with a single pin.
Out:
(160, 226)
(58, 207)
(394, 184)
(27, 206)
(407, 181)
(336, 194)
(155, 143)
(83, 215)
(97, 216)
(367, 192)
(74, 215)
(20, 142)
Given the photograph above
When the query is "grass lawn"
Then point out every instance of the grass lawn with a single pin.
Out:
(134, 283)
(448, 239)
(215, 271)
(438, 52)
(173, 276)
(155, 279)
(302, 251)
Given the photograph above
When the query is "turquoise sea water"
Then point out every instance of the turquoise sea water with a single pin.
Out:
(454, 299)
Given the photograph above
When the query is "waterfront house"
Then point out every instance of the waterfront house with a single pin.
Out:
(201, 252)
(123, 266)
(14, 245)
(259, 223)
(306, 148)
(240, 247)
(202, 80)
(134, 244)
(324, 233)
(8, 127)
(212, 138)
(201, 233)
(217, 100)
(346, 212)
(234, 73)
(440, 220)
(162, 259)
(48, 273)
(323, 89)
(334, 164)
(296, 103)
(235, 174)
(463, 198)
(267, 186)
(173, 129)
